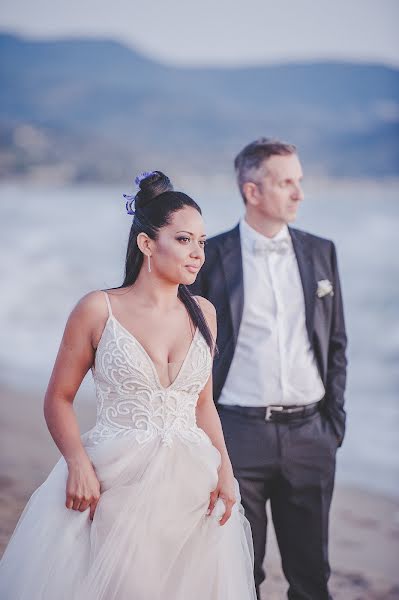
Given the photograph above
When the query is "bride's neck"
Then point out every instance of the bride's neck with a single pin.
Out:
(155, 292)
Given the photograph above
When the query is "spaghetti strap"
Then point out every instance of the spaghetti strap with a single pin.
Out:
(108, 304)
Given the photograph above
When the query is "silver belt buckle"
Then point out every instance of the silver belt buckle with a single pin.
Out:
(269, 410)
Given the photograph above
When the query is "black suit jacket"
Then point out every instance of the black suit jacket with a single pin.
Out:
(221, 281)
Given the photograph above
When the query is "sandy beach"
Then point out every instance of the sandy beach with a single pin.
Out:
(364, 526)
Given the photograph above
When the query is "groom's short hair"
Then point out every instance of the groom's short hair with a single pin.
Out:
(251, 158)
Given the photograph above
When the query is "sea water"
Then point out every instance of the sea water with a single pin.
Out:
(58, 243)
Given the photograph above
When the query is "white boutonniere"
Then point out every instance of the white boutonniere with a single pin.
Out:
(324, 288)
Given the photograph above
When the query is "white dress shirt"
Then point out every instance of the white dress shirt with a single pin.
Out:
(273, 362)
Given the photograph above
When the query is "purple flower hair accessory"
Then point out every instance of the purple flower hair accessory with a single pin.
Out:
(142, 176)
(130, 199)
(130, 203)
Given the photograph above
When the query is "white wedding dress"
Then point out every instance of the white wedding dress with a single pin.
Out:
(151, 537)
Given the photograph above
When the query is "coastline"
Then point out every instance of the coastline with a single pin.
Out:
(364, 526)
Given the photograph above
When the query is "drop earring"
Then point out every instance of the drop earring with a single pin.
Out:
(149, 263)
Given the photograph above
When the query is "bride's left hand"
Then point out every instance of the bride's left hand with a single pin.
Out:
(224, 490)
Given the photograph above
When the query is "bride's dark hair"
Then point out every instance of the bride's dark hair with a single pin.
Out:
(154, 204)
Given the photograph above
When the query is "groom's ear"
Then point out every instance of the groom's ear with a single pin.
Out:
(250, 192)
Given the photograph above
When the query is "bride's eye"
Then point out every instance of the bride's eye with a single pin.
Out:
(183, 239)
(202, 243)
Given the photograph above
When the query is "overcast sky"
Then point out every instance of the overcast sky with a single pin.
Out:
(225, 32)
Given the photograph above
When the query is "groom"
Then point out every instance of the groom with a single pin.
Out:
(279, 378)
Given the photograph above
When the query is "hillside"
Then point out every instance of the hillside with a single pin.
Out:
(87, 110)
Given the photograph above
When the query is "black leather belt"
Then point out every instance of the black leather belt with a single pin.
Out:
(273, 412)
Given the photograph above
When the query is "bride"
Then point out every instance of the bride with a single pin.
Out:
(144, 506)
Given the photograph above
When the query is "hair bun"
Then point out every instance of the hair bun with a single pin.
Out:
(151, 185)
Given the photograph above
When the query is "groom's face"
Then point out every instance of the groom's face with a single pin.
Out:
(279, 190)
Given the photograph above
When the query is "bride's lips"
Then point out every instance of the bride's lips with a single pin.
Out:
(192, 268)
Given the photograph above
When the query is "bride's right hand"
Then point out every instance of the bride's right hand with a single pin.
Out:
(83, 487)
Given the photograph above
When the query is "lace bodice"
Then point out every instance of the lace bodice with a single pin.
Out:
(130, 398)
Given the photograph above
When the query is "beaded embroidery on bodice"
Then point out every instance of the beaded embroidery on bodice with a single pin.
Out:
(130, 398)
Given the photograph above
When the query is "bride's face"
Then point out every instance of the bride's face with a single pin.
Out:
(178, 252)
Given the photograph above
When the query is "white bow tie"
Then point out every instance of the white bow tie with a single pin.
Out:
(278, 246)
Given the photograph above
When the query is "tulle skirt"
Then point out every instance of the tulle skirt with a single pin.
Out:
(150, 539)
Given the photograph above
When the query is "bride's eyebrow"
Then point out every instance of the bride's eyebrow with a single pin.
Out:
(190, 233)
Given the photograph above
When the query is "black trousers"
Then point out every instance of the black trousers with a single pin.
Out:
(292, 464)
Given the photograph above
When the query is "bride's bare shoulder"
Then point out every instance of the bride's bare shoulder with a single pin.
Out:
(206, 305)
(92, 308)
(89, 316)
(93, 301)
(208, 309)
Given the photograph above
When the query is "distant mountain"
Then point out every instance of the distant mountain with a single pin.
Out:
(96, 110)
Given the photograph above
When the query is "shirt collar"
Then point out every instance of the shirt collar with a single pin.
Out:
(249, 235)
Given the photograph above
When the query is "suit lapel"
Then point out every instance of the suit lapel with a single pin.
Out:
(303, 254)
(231, 257)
